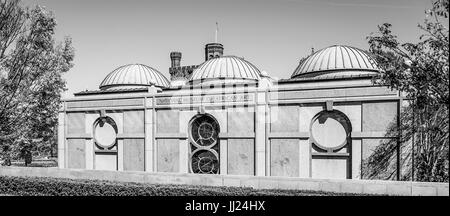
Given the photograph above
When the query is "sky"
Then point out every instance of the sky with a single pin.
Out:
(273, 35)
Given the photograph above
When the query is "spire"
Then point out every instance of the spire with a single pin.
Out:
(214, 50)
(217, 29)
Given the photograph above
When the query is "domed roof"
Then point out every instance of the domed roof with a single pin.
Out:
(134, 75)
(336, 60)
(226, 68)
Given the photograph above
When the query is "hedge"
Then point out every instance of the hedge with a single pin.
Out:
(45, 186)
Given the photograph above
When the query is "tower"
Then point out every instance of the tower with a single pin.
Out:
(178, 72)
(213, 50)
(175, 58)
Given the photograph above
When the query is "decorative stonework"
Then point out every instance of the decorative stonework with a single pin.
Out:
(204, 99)
(330, 130)
(105, 103)
(105, 132)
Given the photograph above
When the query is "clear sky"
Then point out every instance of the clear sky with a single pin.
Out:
(273, 35)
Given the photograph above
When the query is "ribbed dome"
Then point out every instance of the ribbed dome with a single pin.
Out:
(229, 68)
(336, 60)
(133, 75)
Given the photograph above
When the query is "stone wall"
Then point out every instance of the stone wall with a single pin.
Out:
(263, 132)
(257, 182)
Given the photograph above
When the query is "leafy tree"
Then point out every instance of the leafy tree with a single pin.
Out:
(31, 65)
(421, 72)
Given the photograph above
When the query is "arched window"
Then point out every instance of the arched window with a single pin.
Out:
(330, 130)
(204, 142)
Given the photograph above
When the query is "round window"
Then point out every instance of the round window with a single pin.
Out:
(204, 131)
(105, 132)
(330, 130)
(204, 139)
(205, 162)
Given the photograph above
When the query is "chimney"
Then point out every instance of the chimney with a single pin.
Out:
(213, 50)
(175, 58)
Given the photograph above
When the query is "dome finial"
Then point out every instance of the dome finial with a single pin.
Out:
(312, 50)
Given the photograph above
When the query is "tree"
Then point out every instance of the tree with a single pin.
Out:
(421, 72)
(31, 65)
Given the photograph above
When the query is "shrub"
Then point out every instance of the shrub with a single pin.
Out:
(44, 186)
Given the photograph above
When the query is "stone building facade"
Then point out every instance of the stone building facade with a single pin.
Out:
(227, 117)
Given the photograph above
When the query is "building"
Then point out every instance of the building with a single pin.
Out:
(225, 116)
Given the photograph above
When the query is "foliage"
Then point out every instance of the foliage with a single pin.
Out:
(43, 186)
(382, 163)
(31, 65)
(421, 72)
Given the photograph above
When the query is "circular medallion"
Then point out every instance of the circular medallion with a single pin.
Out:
(105, 132)
(330, 130)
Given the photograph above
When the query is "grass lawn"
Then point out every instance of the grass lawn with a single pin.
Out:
(44, 186)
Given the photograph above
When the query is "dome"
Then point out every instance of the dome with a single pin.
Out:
(228, 68)
(134, 75)
(336, 60)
